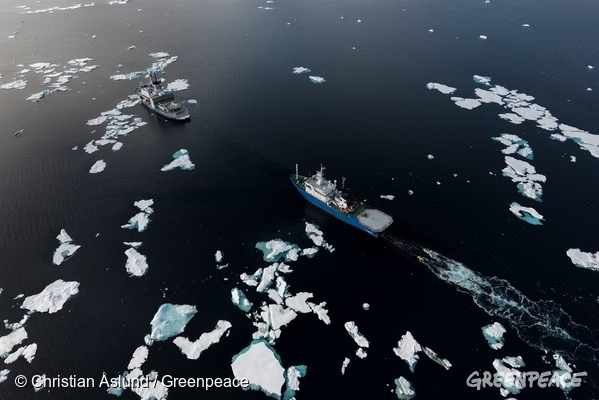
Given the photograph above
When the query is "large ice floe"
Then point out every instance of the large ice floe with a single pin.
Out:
(406, 349)
(52, 298)
(494, 335)
(240, 300)
(66, 248)
(181, 160)
(27, 352)
(170, 320)
(193, 350)
(510, 378)
(136, 263)
(404, 389)
(526, 176)
(260, 364)
(8, 342)
(514, 145)
(352, 329)
(584, 260)
(140, 220)
(527, 214)
(139, 357)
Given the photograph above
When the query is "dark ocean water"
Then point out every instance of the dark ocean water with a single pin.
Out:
(373, 121)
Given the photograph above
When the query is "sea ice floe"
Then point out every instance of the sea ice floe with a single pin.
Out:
(98, 166)
(344, 365)
(515, 362)
(527, 214)
(584, 260)
(320, 311)
(293, 374)
(159, 54)
(240, 300)
(261, 366)
(466, 103)
(193, 350)
(11, 340)
(494, 335)
(486, 96)
(482, 37)
(176, 85)
(317, 236)
(514, 145)
(139, 221)
(510, 378)
(90, 147)
(117, 146)
(572, 159)
(407, 348)
(485, 80)
(218, 256)
(511, 117)
(301, 70)
(404, 389)
(387, 196)
(136, 263)
(4, 375)
(317, 79)
(52, 298)
(366, 306)
(181, 160)
(276, 249)
(138, 358)
(361, 353)
(66, 248)
(526, 176)
(299, 302)
(170, 320)
(277, 316)
(352, 329)
(440, 87)
(18, 84)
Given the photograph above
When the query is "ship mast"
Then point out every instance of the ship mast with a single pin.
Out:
(296, 172)
(342, 182)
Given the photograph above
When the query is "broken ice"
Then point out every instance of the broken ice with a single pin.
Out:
(494, 335)
(238, 298)
(407, 348)
(526, 176)
(170, 320)
(193, 350)
(52, 298)
(136, 263)
(317, 79)
(527, 214)
(404, 389)
(584, 260)
(66, 248)
(181, 160)
(261, 366)
(352, 329)
(140, 220)
(11, 340)
(276, 249)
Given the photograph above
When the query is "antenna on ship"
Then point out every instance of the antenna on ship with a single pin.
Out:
(322, 169)
(296, 172)
(342, 182)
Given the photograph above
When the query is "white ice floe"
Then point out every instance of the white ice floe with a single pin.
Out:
(181, 160)
(404, 389)
(4, 375)
(293, 374)
(515, 362)
(176, 85)
(160, 54)
(527, 214)
(440, 87)
(511, 117)
(485, 80)
(510, 378)
(192, 101)
(361, 353)
(572, 159)
(276, 249)
(28, 353)
(387, 196)
(410, 192)
(407, 348)
(268, 274)
(277, 316)
(482, 37)
(301, 70)
(344, 365)
(218, 256)
(52, 298)
(98, 166)
(494, 335)
(240, 300)
(252, 280)
(526, 176)
(139, 221)
(352, 329)
(366, 306)
(136, 263)
(299, 302)
(261, 366)
(117, 146)
(430, 156)
(525, 25)
(90, 147)
(514, 145)
(170, 320)
(18, 84)
(584, 139)
(138, 358)
(584, 260)
(11, 340)
(466, 103)
(321, 312)
(193, 350)
(317, 79)
(66, 248)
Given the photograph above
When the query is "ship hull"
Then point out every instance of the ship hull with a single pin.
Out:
(184, 116)
(348, 219)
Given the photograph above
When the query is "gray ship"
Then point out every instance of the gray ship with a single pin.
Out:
(154, 97)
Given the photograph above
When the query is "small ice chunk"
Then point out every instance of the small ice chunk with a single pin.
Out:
(515, 362)
(19, 132)
(277, 316)
(387, 196)
(527, 214)
(117, 146)
(352, 329)
(525, 25)
(440, 87)
(218, 256)
(572, 159)
(160, 54)
(98, 166)
(136, 263)
(431, 31)
(584, 260)
(135, 245)
(407, 348)
(361, 352)
(170, 320)
(410, 192)
(275, 249)
(11, 340)
(139, 357)
(293, 375)
(430, 156)
(193, 350)
(590, 67)
(179, 84)
(494, 335)
(131, 47)
(557, 136)
(240, 300)
(90, 147)
(485, 80)
(97, 121)
(321, 312)
(344, 365)
(301, 70)
(404, 389)
(482, 37)
(299, 302)
(4, 375)
(468, 104)
(366, 306)
(317, 79)
(52, 298)
(139, 221)
(181, 160)
(261, 366)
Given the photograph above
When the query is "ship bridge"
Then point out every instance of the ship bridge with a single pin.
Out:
(320, 188)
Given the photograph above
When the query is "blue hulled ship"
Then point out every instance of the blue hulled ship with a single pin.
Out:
(325, 195)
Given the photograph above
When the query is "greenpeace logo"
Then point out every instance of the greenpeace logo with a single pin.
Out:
(520, 380)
